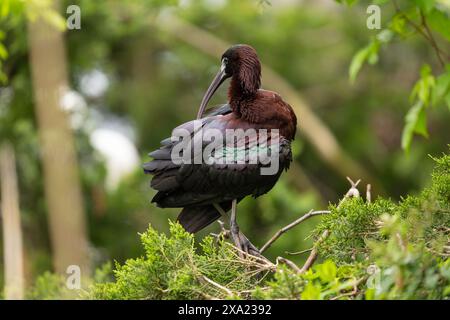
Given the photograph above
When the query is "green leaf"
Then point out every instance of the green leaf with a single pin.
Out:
(327, 271)
(416, 122)
(423, 87)
(441, 88)
(425, 5)
(311, 292)
(439, 22)
(421, 123)
(398, 25)
(370, 294)
(357, 62)
(368, 53)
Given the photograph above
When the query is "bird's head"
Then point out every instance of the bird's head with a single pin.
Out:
(241, 63)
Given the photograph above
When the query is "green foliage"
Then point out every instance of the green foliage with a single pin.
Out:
(50, 286)
(368, 54)
(415, 119)
(322, 281)
(13, 10)
(354, 223)
(172, 269)
(156, 83)
(421, 17)
(409, 269)
(379, 250)
(441, 179)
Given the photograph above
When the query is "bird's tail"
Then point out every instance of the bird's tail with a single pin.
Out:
(195, 218)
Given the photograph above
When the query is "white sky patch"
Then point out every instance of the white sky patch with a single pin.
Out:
(112, 137)
(120, 154)
(94, 83)
(74, 104)
(72, 101)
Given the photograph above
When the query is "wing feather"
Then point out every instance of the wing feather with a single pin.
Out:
(181, 185)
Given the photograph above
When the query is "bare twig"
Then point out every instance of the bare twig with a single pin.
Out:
(222, 225)
(289, 263)
(353, 192)
(442, 254)
(290, 226)
(310, 261)
(224, 233)
(313, 256)
(352, 293)
(217, 285)
(252, 260)
(426, 34)
(368, 193)
(431, 38)
(299, 252)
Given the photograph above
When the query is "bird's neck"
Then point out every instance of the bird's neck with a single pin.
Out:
(241, 93)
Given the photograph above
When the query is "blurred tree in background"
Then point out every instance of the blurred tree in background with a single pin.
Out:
(136, 69)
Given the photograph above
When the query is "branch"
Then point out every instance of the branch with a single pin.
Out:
(299, 252)
(289, 263)
(426, 34)
(290, 226)
(313, 256)
(251, 260)
(217, 285)
(354, 292)
(353, 192)
(432, 40)
(368, 193)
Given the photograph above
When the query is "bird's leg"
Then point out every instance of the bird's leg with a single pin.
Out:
(239, 238)
(234, 228)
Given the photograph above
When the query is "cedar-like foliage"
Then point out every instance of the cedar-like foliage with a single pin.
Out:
(379, 250)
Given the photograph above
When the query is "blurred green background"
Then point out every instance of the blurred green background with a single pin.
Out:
(135, 74)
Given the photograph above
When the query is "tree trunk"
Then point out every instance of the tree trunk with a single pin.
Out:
(61, 175)
(12, 231)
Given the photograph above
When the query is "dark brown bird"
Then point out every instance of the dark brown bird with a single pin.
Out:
(206, 190)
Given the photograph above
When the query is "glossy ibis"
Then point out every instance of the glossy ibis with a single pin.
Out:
(259, 120)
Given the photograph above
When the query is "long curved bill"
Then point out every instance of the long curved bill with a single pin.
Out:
(218, 79)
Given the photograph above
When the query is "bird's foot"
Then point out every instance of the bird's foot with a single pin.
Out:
(245, 246)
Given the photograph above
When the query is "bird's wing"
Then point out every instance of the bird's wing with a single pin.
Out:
(218, 179)
(218, 110)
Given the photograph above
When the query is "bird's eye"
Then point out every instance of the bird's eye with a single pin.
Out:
(225, 60)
